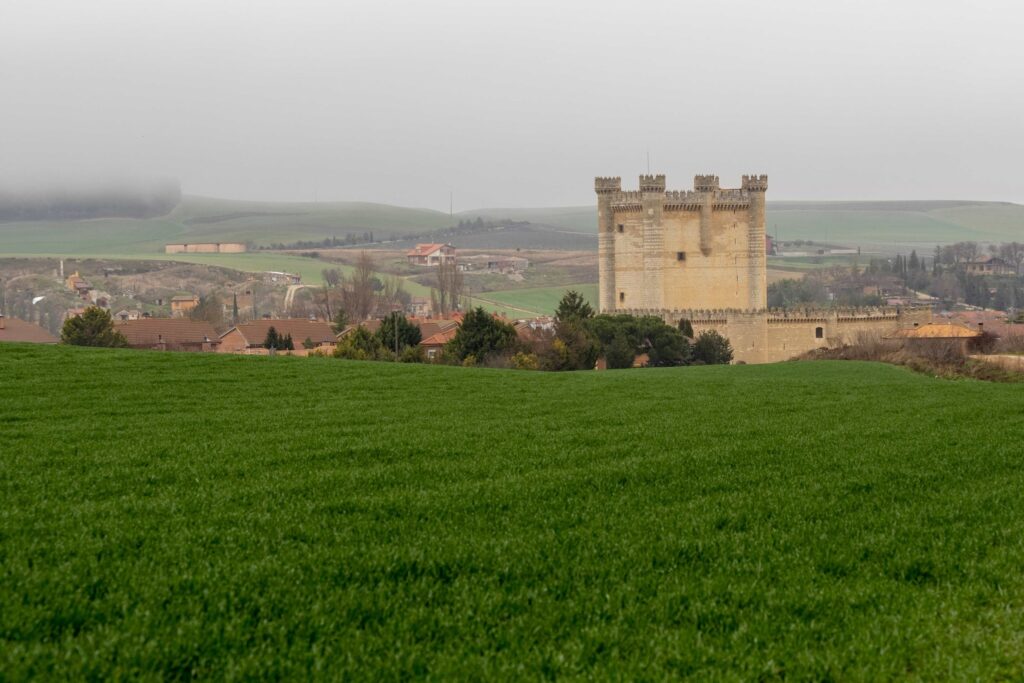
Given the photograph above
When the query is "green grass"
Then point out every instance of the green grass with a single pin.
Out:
(172, 516)
(541, 300)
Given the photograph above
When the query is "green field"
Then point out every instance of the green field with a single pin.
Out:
(177, 516)
(540, 300)
(896, 225)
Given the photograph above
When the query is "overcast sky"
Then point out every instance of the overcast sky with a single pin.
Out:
(517, 103)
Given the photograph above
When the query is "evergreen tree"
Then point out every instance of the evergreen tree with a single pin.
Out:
(480, 335)
(94, 327)
(272, 340)
(407, 333)
(573, 307)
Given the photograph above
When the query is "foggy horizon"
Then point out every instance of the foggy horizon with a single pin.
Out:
(515, 105)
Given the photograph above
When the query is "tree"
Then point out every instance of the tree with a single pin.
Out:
(1013, 252)
(446, 296)
(359, 290)
(94, 327)
(665, 345)
(711, 348)
(234, 309)
(573, 307)
(480, 335)
(686, 328)
(209, 309)
(272, 340)
(620, 353)
(360, 344)
(407, 333)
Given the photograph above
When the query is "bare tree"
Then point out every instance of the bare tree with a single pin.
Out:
(392, 295)
(1013, 252)
(445, 297)
(359, 298)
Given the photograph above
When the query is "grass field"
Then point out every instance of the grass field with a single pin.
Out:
(176, 515)
(896, 225)
(541, 300)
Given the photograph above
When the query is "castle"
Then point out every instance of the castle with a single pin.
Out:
(700, 255)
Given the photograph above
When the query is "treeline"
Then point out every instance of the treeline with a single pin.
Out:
(145, 199)
(944, 275)
(579, 339)
(350, 239)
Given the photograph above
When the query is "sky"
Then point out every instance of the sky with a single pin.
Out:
(511, 104)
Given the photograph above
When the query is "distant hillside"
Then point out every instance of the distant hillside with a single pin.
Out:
(880, 225)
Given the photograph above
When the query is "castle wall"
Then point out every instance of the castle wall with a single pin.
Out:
(770, 337)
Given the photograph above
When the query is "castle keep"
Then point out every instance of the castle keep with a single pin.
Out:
(700, 255)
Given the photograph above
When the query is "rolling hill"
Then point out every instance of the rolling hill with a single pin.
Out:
(888, 226)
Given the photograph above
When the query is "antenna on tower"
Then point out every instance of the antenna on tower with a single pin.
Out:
(648, 161)
(451, 204)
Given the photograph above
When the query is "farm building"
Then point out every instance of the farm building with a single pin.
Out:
(206, 248)
(169, 334)
(430, 254)
(14, 330)
(936, 334)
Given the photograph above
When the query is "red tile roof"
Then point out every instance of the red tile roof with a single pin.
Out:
(255, 331)
(149, 332)
(440, 338)
(424, 249)
(14, 330)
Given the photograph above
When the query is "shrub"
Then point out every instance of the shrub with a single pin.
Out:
(711, 348)
(525, 361)
(360, 344)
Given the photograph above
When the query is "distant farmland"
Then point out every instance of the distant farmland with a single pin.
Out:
(181, 516)
(895, 225)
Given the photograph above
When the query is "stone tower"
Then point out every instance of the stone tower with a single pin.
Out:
(670, 250)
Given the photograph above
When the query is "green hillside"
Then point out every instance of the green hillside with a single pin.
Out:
(180, 516)
(893, 225)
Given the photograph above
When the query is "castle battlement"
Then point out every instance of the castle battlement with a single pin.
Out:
(652, 183)
(705, 183)
(755, 183)
(607, 185)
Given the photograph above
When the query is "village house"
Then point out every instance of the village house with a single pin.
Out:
(935, 335)
(129, 314)
(988, 265)
(15, 330)
(77, 284)
(430, 254)
(419, 307)
(169, 334)
(183, 304)
(280, 277)
(248, 337)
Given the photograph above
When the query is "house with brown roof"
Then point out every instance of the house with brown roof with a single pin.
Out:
(433, 345)
(182, 304)
(430, 254)
(248, 337)
(936, 334)
(14, 330)
(169, 334)
(989, 265)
